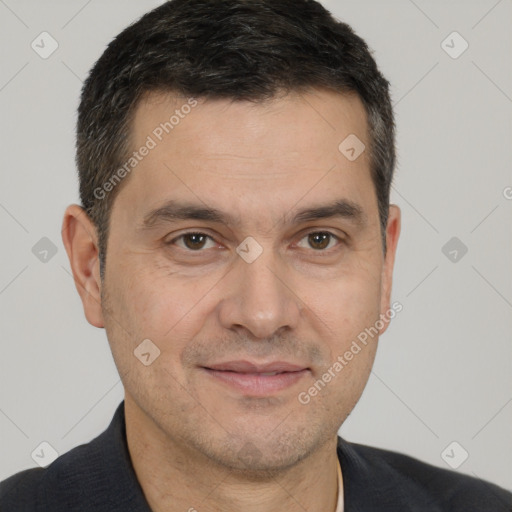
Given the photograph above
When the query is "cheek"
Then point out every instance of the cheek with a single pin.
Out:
(348, 313)
(346, 305)
(150, 305)
(161, 305)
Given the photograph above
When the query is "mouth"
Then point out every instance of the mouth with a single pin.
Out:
(257, 379)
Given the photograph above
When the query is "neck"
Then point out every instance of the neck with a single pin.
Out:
(176, 478)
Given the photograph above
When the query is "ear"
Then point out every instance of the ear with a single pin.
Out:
(392, 235)
(81, 243)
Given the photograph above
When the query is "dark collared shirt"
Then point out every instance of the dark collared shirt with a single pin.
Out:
(99, 476)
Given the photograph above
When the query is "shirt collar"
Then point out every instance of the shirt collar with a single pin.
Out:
(340, 501)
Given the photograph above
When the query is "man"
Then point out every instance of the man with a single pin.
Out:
(235, 239)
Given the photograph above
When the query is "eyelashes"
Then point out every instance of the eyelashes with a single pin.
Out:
(197, 242)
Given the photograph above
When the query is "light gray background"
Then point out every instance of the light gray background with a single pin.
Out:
(444, 368)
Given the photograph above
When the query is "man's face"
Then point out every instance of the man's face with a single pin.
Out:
(292, 299)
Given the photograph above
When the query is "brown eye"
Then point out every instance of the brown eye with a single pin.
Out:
(192, 241)
(319, 240)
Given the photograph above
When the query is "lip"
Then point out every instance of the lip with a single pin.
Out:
(250, 378)
(243, 366)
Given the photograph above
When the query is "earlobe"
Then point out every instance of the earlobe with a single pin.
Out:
(392, 236)
(80, 240)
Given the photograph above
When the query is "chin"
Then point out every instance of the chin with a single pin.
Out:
(261, 458)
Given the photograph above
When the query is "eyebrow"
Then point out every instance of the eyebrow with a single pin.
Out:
(174, 210)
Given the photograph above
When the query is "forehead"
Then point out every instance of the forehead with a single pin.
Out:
(312, 120)
(228, 153)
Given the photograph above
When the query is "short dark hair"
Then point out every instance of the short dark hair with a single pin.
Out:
(235, 49)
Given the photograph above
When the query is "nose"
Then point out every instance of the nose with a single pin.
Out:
(259, 298)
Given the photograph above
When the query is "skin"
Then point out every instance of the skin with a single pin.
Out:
(196, 442)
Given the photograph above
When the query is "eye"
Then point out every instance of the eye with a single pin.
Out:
(193, 241)
(319, 240)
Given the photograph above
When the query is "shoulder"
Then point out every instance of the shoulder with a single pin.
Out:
(95, 476)
(20, 490)
(63, 481)
(73, 480)
(424, 484)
